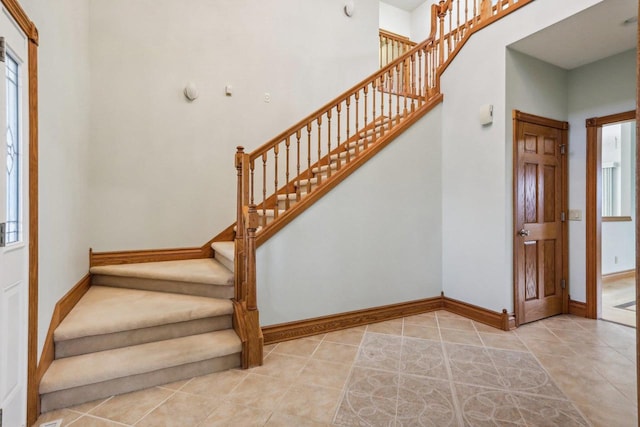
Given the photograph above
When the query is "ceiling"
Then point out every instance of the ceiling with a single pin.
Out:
(593, 34)
(407, 5)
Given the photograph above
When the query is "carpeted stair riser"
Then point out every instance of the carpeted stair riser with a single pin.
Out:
(225, 261)
(95, 343)
(74, 380)
(88, 393)
(224, 252)
(185, 288)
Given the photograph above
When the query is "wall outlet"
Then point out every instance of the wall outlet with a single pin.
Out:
(615, 259)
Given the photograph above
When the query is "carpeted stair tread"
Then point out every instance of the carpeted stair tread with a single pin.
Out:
(324, 168)
(107, 365)
(305, 182)
(225, 249)
(105, 310)
(291, 196)
(224, 253)
(270, 212)
(205, 271)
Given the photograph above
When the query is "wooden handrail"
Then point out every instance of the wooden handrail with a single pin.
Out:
(281, 178)
(396, 37)
(341, 98)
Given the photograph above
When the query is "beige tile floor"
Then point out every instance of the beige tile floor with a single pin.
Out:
(435, 369)
(614, 293)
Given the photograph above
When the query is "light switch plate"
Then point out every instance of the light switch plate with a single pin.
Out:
(575, 215)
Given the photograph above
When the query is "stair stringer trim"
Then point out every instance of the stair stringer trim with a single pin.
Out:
(62, 308)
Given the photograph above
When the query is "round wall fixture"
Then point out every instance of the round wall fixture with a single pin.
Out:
(349, 8)
(191, 91)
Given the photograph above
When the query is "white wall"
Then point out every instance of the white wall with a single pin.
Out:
(373, 240)
(618, 241)
(476, 169)
(63, 74)
(535, 87)
(161, 169)
(395, 19)
(421, 21)
(598, 89)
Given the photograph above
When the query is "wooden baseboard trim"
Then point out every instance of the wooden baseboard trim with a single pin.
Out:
(577, 308)
(503, 320)
(320, 325)
(151, 255)
(61, 310)
(226, 235)
(627, 274)
(512, 321)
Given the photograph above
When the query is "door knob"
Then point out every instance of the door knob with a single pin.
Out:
(523, 232)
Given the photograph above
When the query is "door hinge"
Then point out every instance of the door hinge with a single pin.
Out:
(563, 216)
(2, 49)
(3, 237)
(563, 148)
(0, 417)
(563, 284)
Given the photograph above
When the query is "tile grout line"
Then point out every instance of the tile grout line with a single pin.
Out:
(454, 396)
(395, 418)
(99, 418)
(162, 402)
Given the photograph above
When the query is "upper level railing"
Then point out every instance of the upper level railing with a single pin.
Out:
(455, 20)
(392, 46)
(284, 176)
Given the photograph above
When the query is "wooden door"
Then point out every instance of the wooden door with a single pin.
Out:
(540, 230)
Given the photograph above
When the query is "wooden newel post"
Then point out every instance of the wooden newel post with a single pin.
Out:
(441, 14)
(238, 261)
(252, 352)
(486, 9)
(252, 226)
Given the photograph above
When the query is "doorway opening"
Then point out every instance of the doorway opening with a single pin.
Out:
(611, 170)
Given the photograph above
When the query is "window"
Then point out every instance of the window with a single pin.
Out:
(13, 152)
(618, 171)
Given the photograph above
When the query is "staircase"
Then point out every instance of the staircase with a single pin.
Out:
(145, 324)
(141, 325)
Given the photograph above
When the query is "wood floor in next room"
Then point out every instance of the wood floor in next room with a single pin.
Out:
(436, 369)
(619, 299)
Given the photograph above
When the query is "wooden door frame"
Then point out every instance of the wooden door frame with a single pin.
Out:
(593, 214)
(637, 212)
(31, 32)
(519, 116)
